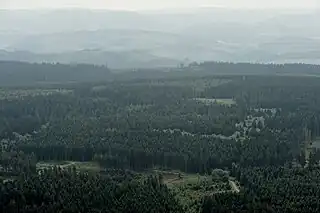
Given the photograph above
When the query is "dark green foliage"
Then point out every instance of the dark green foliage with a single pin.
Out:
(272, 189)
(256, 69)
(265, 140)
(22, 74)
(61, 191)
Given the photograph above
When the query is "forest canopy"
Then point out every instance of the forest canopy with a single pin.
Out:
(207, 137)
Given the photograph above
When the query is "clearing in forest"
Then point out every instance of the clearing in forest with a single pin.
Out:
(80, 166)
(221, 101)
(11, 94)
(192, 187)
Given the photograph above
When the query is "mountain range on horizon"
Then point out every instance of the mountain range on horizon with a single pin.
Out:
(124, 39)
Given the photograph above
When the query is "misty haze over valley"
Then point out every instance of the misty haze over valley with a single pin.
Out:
(125, 39)
(135, 106)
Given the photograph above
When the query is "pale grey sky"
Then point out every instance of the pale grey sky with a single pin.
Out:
(157, 4)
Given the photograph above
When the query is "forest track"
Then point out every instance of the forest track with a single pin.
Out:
(234, 189)
(234, 186)
(67, 165)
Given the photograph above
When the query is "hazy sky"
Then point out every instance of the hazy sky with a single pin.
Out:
(157, 4)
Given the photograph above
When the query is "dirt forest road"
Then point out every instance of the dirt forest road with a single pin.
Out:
(67, 165)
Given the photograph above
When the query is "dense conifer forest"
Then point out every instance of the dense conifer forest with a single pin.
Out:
(208, 137)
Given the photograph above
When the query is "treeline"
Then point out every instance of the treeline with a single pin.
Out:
(57, 190)
(254, 68)
(271, 189)
(16, 162)
(13, 73)
(22, 74)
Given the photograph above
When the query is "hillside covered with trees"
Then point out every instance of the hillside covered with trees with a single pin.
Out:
(208, 137)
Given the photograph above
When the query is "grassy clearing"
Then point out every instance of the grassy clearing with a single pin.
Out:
(10, 94)
(50, 164)
(175, 178)
(221, 101)
(80, 166)
(190, 188)
(226, 101)
(88, 166)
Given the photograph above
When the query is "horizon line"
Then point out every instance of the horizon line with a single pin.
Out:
(157, 9)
